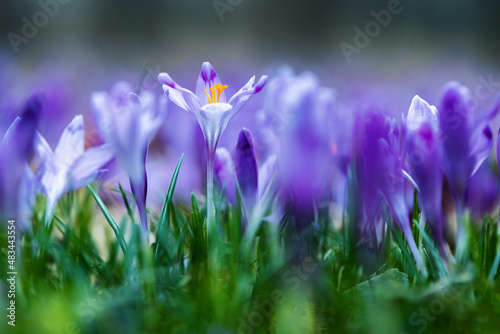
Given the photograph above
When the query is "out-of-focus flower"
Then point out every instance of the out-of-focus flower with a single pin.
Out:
(127, 122)
(467, 143)
(224, 171)
(69, 167)
(425, 156)
(483, 192)
(211, 110)
(15, 148)
(253, 181)
(298, 120)
(382, 174)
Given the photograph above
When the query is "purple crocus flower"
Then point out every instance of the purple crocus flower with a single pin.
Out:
(297, 125)
(483, 192)
(496, 262)
(467, 143)
(252, 181)
(382, 173)
(15, 148)
(425, 156)
(212, 111)
(128, 122)
(224, 171)
(69, 167)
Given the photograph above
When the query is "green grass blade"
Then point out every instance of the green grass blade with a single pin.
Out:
(168, 199)
(109, 218)
(127, 205)
(431, 248)
(409, 261)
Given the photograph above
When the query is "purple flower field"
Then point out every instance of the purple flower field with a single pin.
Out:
(214, 176)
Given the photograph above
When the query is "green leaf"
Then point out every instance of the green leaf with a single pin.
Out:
(162, 221)
(391, 280)
(109, 218)
(127, 205)
(434, 252)
(408, 259)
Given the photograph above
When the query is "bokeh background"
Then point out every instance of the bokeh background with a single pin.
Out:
(88, 45)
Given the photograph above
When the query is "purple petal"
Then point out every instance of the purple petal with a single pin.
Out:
(456, 124)
(14, 149)
(28, 189)
(483, 192)
(139, 189)
(72, 142)
(120, 92)
(22, 131)
(498, 152)
(213, 119)
(245, 166)
(491, 114)
(184, 98)
(88, 167)
(421, 112)
(238, 100)
(266, 174)
(424, 158)
(44, 153)
(481, 145)
(224, 171)
(207, 79)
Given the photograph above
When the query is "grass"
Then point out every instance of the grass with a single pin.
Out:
(78, 276)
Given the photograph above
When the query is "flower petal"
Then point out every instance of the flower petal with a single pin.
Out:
(245, 166)
(207, 79)
(184, 98)
(224, 171)
(490, 115)
(213, 119)
(456, 121)
(44, 153)
(72, 142)
(238, 100)
(87, 168)
(266, 174)
(420, 111)
(481, 145)
(22, 131)
(28, 189)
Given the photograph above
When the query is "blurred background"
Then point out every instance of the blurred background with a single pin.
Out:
(170, 35)
(128, 31)
(68, 49)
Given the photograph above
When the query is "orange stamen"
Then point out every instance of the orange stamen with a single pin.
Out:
(213, 97)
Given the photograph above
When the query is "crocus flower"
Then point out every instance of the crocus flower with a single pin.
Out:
(467, 143)
(128, 122)
(296, 124)
(382, 173)
(15, 148)
(483, 192)
(212, 111)
(252, 181)
(424, 156)
(69, 167)
(496, 262)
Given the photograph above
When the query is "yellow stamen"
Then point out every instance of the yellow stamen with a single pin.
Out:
(214, 98)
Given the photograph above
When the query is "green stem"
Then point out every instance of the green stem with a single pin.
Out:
(210, 189)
